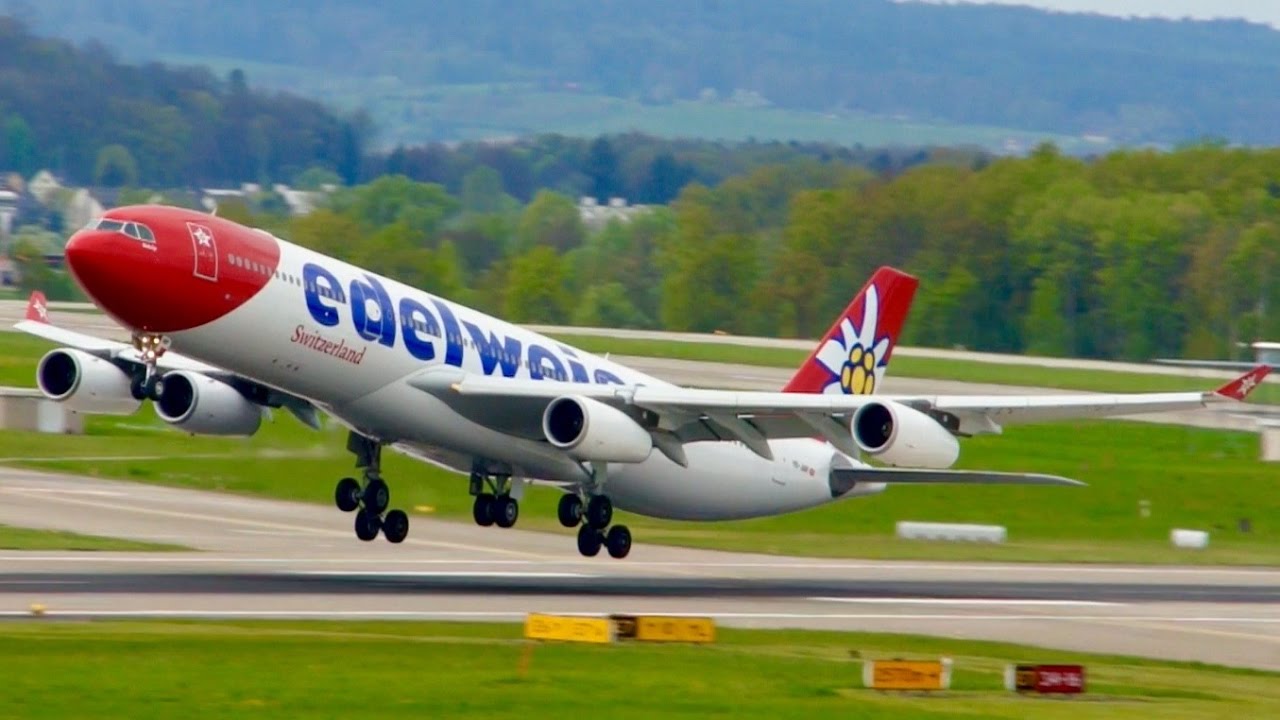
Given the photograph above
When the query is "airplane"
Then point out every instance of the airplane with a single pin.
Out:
(228, 320)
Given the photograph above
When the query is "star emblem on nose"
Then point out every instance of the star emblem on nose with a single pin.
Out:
(203, 237)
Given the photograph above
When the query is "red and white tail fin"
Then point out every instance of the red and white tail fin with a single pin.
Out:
(854, 353)
(37, 307)
(1240, 388)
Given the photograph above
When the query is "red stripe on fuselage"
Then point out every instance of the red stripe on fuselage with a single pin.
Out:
(199, 268)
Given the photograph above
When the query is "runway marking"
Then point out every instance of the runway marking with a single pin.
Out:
(44, 582)
(392, 574)
(276, 526)
(62, 491)
(502, 614)
(964, 601)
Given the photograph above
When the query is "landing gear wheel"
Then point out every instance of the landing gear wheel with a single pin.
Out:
(137, 390)
(395, 527)
(570, 511)
(618, 541)
(599, 512)
(347, 494)
(505, 511)
(367, 525)
(589, 541)
(377, 496)
(482, 510)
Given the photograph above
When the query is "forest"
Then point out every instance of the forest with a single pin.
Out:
(1131, 80)
(1134, 255)
(93, 119)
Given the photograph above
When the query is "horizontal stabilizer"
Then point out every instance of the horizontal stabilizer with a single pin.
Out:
(843, 476)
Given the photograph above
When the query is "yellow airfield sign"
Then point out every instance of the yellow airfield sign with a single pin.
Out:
(568, 628)
(907, 674)
(665, 628)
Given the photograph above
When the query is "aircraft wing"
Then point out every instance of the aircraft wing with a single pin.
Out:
(37, 323)
(687, 414)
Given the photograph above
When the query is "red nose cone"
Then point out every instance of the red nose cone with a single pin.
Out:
(110, 267)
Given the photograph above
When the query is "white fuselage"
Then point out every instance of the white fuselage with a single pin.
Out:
(292, 337)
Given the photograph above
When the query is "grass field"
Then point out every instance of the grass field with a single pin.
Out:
(266, 669)
(1189, 478)
(17, 538)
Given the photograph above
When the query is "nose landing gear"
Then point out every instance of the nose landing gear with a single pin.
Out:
(370, 500)
(150, 348)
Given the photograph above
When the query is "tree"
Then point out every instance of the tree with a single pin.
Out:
(550, 220)
(20, 146)
(535, 287)
(115, 167)
(602, 168)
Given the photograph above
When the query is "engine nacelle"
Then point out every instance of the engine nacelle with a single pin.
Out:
(590, 430)
(903, 436)
(203, 406)
(85, 383)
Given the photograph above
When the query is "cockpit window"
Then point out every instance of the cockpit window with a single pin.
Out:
(132, 229)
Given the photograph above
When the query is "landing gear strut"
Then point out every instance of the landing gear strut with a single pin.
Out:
(595, 518)
(494, 504)
(370, 501)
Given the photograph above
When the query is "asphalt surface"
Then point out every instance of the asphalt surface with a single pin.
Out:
(261, 558)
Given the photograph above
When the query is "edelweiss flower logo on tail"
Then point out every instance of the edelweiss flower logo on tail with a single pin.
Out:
(856, 358)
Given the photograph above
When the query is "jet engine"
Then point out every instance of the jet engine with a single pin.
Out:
(202, 405)
(85, 383)
(590, 430)
(903, 436)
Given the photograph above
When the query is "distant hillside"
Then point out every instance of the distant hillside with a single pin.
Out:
(95, 120)
(450, 68)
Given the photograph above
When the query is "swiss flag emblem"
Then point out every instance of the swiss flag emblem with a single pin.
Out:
(206, 248)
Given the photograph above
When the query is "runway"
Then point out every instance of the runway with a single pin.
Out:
(261, 558)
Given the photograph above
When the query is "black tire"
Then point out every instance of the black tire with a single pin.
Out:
(153, 389)
(395, 526)
(589, 541)
(505, 511)
(618, 541)
(136, 389)
(367, 525)
(482, 510)
(599, 512)
(347, 495)
(570, 511)
(376, 496)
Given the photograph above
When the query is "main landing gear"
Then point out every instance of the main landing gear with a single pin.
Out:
(594, 516)
(494, 504)
(370, 500)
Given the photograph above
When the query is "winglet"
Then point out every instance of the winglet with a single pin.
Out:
(1240, 388)
(38, 308)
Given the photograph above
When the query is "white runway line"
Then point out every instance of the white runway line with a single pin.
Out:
(507, 614)
(964, 601)
(393, 574)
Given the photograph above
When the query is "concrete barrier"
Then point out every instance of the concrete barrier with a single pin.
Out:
(1270, 431)
(909, 530)
(28, 409)
(1194, 539)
